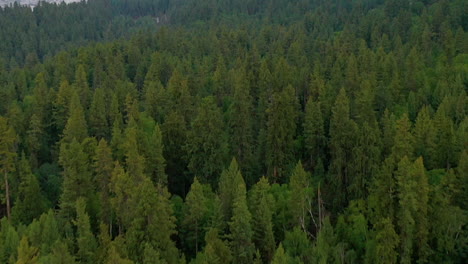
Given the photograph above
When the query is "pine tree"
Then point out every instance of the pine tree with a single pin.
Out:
(227, 194)
(174, 131)
(240, 124)
(445, 138)
(151, 256)
(103, 167)
(207, 144)
(155, 162)
(300, 197)
(61, 105)
(98, 124)
(35, 137)
(115, 258)
(76, 127)
(281, 257)
(424, 137)
(195, 215)
(8, 140)
(403, 141)
(408, 206)
(314, 134)
(387, 242)
(281, 132)
(342, 134)
(30, 202)
(81, 85)
(41, 92)
(260, 202)
(27, 254)
(84, 237)
(77, 181)
(240, 228)
(216, 250)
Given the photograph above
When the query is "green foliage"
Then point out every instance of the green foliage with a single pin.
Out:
(128, 140)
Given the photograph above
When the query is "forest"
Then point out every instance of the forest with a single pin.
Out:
(247, 131)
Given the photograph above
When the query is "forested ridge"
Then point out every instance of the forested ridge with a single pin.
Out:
(245, 131)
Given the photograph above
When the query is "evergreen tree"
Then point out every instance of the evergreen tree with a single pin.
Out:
(227, 194)
(103, 167)
(207, 143)
(155, 160)
(300, 197)
(98, 123)
(195, 215)
(342, 132)
(26, 253)
(81, 86)
(281, 132)
(84, 238)
(76, 127)
(281, 257)
(240, 228)
(8, 140)
(240, 124)
(30, 203)
(77, 177)
(260, 202)
(314, 135)
(424, 137)
(387, 242)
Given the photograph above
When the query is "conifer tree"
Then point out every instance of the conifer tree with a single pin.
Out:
(403, 141)
(260, 202)
(408, 206)
(300, 197)
(8, 140)
(103, 166)
(342, 132)
(387, 242)
(98, 123)
(155, 161)
(26, 253)
(195, 215)
(207, 143)
(61, 105)
(35, 137)
(281, 132)
(240, 124)
(240, 228)
(30, 202)
(314, 134)
(84, 238)
(81, 85)
(227, 194)
(77, 181)
(281, 257)
(76, 127)
(424, 137)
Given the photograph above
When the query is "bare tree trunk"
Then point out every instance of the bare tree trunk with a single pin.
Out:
(7, 195)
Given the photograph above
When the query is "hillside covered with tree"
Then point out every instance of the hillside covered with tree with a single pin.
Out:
(205, 132)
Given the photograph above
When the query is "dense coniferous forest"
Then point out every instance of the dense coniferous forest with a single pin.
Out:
(247, 131)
